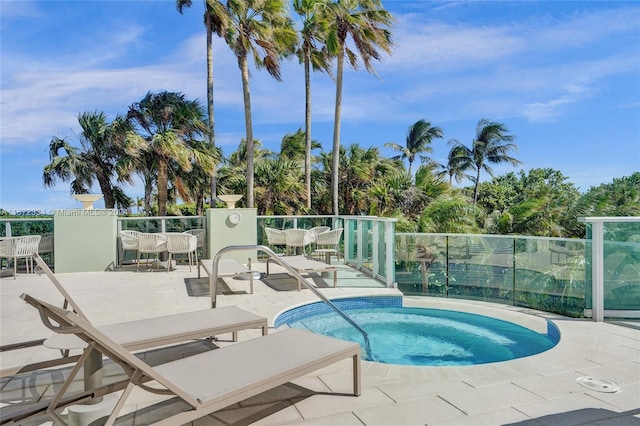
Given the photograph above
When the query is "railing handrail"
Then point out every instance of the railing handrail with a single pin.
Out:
(285, 265)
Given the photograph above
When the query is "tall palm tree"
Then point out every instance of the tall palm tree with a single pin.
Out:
(419, 138)
(215, 21)
(170, 125)
(102, 145)
(366, 22)
(492, 144)
(311, 54)
(262, 29)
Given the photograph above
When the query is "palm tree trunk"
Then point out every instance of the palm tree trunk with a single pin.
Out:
(107, 192)
(212, 138)
(307, 126)
(244, 70)
(335, 156)
(475, 188)
(162, 188)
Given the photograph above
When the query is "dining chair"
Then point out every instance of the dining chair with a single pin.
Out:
(275, 237)
(17, 248)
(182, 244)
(201, 236)
(298, 239)
(45, 247)
(328, 243)
(151, 244)
(128, 242)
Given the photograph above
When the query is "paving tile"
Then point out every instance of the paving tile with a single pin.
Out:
(317, 405)
(568, 411)
(418, 412)
(489, 398)
(491, 418)
(407, 391)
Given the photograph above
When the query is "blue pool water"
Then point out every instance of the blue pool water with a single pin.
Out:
(429, 337)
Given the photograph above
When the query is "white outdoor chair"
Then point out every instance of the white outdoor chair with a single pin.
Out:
(151, 244)
(328, 243)
(298, 239)
(20, 248)
(128, 242)
(182, 244)
(275, 237)
(201, 236)
(45, 247)
(318, 230)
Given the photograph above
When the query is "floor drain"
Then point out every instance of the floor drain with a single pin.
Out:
(598, 385)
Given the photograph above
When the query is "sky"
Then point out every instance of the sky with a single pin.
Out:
(562, 76)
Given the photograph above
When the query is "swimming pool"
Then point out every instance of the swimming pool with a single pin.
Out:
(422, 336)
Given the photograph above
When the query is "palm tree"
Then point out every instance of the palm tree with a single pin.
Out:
(98, 159)
(454, 167)
(418, 141)
(491, 145)
(279, 189)
(215, 20)
(366, 22)
(262, 29)
(295, 146)
(170, 125)
(314, 27)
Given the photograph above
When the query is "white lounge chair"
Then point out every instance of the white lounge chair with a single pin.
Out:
(302, 265)
(151, 332)
(212, 380)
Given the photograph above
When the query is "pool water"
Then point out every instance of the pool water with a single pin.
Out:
(432, 337)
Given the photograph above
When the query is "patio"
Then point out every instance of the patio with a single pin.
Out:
(535, 390)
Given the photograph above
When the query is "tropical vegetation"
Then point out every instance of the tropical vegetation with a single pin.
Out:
(167, 140)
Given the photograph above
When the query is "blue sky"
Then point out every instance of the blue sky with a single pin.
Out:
(563, 76)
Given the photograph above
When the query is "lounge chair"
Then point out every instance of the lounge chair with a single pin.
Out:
(212, 380)
(150, 332)
(303, 265)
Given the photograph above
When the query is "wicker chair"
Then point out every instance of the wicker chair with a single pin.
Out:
(151, 244)
(45, 248)
(328, 243)
(201, 236)
(20, 248)
(298, 239)
(275, 238)
(182, 244)
(128, 242)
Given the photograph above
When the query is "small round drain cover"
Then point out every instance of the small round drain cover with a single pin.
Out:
(598, 385)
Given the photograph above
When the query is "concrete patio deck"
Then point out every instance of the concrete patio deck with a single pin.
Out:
(538, 390)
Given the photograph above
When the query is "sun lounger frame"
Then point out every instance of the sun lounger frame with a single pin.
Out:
(150, 332)
(226, 268)
(303, 265)
(212, 380)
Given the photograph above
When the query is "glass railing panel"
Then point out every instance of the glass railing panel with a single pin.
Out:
(27, 226)
(480, 268)
(351, 240)
(421, 264)
(550, 275)
(184, 223)
(367, 244)
(146, 224)
(382, 250)
(622, 266)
